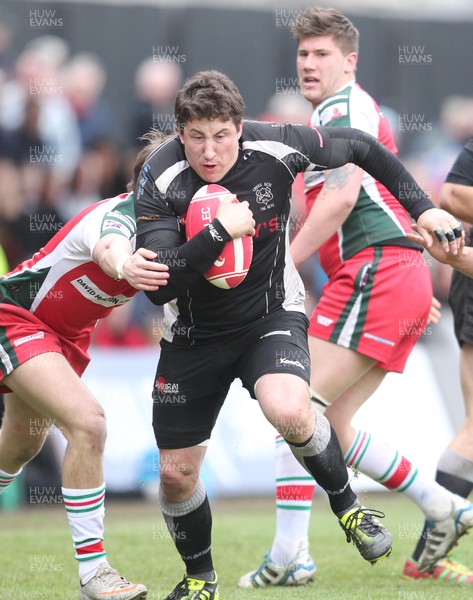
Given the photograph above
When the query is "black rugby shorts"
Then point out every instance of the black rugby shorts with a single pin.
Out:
(192, 381)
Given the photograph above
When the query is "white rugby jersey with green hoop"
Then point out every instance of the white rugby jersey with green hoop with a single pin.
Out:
(61, 284)
(377, 218)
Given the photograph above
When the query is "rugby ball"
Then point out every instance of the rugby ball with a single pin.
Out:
(231, 267)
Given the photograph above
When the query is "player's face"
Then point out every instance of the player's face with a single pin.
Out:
(322, 68)
(211, 147)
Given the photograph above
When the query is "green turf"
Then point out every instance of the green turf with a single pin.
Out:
(37, 557)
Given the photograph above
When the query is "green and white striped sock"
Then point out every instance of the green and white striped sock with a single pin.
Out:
(85, 512)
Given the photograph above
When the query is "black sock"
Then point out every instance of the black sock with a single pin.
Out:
(190, 524)
(191, 534)
(322, 456)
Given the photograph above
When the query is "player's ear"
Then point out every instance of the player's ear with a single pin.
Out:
(180, 132)
(350, 62)
(240, 130)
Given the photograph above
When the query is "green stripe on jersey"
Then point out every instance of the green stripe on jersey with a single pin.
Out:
(22, 288)
(123, 215)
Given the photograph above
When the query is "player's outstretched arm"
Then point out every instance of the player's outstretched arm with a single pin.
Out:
(353, 145)
(114, 254)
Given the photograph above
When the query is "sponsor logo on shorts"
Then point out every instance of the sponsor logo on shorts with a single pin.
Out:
(288, 361)
(325, 321)
(29, 338)
(166, 388)
(166, 392)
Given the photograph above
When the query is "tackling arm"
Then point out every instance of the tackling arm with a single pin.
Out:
(114, 255)
(333, 205)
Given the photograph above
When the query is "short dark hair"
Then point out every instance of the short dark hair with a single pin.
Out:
(316, 21)
(209, 95)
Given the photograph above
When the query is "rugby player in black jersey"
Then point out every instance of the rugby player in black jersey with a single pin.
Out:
(256, 332)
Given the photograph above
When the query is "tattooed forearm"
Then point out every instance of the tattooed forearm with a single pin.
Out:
(336, 179)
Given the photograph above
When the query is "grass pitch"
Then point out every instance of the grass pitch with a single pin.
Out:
(36, 553)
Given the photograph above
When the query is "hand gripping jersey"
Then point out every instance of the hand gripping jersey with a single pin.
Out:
(377, 217)
(269, 158)
(61, 284)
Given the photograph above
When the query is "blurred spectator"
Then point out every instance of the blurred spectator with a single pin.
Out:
(97, 173)
(7, 30)
(287, 108)
(10, 208)
(157, 80)
(84, 79)
(37, 74)
(86, 184)
(26, 141)
(28, 216)
(431, 157)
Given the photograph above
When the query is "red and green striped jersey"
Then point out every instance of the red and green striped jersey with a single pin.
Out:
(61, 284)
(377, 217)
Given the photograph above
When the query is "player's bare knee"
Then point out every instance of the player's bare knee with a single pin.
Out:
(177, 483)
(294, 422)
(90, 432)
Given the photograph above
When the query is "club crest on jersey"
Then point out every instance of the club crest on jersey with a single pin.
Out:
(264, 195)
(332, 112)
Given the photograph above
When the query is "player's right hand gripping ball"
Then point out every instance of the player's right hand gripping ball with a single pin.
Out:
(231, 267)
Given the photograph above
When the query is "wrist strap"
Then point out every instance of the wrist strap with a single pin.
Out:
(120, 264)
